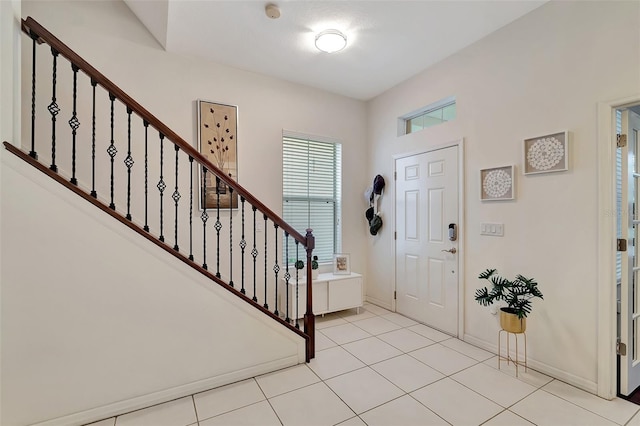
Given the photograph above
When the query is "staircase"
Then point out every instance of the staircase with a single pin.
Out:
(117, 156)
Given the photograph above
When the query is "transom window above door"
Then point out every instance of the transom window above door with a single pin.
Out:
(430, 115)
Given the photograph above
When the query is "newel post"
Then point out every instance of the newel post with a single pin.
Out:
(309, 318)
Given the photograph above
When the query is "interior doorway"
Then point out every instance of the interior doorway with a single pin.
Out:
(627, 128)
(607, 327)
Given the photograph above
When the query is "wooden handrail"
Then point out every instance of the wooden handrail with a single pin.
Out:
(37, 32)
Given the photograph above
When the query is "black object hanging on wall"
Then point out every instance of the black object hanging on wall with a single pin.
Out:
(372, 214)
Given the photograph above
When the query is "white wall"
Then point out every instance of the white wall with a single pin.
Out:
(10, 99)
(96, 320)
(9, 69)
(541, 74)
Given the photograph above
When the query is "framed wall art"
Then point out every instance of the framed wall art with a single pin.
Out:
(497, 184)
(217, 141)
(341, 264)
(545, 154)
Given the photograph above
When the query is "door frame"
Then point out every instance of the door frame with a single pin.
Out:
(606, 250)
(459, 143)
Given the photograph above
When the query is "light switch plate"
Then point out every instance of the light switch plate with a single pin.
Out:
(492, 229)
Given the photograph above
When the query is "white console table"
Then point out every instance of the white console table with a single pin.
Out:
(330, 293)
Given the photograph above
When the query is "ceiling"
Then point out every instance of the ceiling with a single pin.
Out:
(388, 41)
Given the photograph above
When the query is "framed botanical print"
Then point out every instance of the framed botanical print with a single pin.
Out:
(218, 142)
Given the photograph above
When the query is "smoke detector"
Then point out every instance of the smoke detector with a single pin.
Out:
(272, 11)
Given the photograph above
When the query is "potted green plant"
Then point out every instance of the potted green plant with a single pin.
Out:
(516, 293)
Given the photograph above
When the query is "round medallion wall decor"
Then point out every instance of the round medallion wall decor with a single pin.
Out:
(545, 153)
(497, 183)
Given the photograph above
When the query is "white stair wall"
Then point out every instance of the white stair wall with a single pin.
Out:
(96, 320)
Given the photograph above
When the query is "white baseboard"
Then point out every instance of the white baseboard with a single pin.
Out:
(379, 302)
(137, 403)
(579, 382)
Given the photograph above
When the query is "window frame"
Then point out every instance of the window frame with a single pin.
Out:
(335, 199)
(404, 122)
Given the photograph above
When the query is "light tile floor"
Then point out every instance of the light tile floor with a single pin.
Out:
(379, 368)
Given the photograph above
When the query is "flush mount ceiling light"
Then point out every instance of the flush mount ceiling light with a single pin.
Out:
(330, 41)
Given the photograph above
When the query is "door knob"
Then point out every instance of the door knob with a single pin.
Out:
(452, 250)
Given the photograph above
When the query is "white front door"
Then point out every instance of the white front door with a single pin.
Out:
(630, 280)
(426, 258)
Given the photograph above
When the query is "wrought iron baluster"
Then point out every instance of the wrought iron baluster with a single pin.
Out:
(146, 176)
(287, 274)
(33, 153)
(204, 217)
(297, 284)
(191, 208)
(276, 267)
(231, 236)
(266, 305)
(94, 194)
(74, 124)
(112, 150)
(176, 198)
(53, 110)
(161, 187)
(218, 227)
(243, 245)
(129, 162)
(254, 253)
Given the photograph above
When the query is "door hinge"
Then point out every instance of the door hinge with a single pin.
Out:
(395, 175)
(621, 244)
(395, 295)
(621, 348)
(395, 235)
(621, 140)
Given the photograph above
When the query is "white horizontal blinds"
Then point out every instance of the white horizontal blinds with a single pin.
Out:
(311, 190)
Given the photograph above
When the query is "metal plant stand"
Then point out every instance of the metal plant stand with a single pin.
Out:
(507, 358)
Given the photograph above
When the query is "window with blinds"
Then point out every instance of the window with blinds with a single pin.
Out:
(311, 191)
